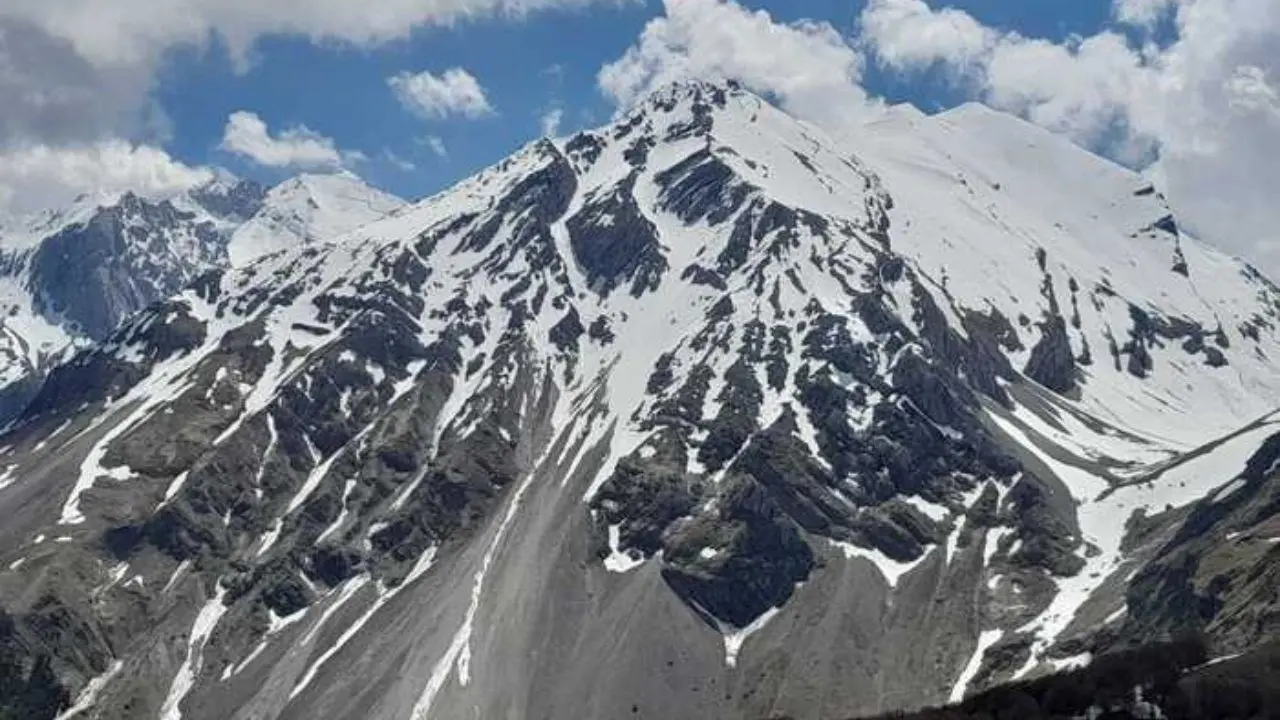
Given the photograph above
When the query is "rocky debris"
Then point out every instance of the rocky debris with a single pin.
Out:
(800, 486)
(1216, 571)
(978, 358)
(699, 275)
(98, 374)
(646, 496)
(564, 335)
(1167, 679)
(29, 645)
(236, 202)
(1045, 525)
(735, 421)
(584, 149)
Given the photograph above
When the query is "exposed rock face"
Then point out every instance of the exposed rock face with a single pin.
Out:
(125, 258)
(1052, 363)
(615, 243)
(678, 418)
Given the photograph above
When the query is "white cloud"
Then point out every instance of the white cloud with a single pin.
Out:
(53, 95)
(435, 143)
(36, 177)
(453, 92)
(806, 65)
(1249, 90)
(299, 147)
(1078, 87)
(1205, 102)
(1142, 13)
(550, 121)
(908, 33)
(138, 31)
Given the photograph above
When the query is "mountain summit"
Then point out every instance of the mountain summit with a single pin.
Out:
(700, 414)
(308, 208)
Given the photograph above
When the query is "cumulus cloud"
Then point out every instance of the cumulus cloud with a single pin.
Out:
(53, 95)
(1203, 103)
(138, 31)
(247, 135)
(33, 177)
(807, 66)
(453, 92)
(1078, 87)
(908, 33)
(1142, 13)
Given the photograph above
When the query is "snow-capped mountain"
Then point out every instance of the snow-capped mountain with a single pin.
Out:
(309, 208)
(701, 414)
(68, 276)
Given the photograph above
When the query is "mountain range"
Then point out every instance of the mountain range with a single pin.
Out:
(68, 276)
(704, 413)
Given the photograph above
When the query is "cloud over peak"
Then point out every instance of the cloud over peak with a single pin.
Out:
(299, 147)
(808, 66)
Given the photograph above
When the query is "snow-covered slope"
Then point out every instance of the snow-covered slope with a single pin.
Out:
(1006, 215)
(701, 414)
(309, 208)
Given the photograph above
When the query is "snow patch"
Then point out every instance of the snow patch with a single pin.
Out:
(619, 560)
(734, 640)
(970, 671)
(933, 511)
(892, 570)
(89, 695)
(205, 623)
(177, 574)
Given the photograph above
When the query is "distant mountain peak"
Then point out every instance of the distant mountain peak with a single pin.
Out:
(309, 208)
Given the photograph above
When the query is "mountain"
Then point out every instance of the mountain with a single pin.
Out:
(69, 276)
(308, 208)
(701, 414)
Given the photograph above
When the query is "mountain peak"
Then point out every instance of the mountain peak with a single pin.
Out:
(310, 207)
(712, 90)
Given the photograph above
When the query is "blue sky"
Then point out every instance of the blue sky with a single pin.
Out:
(526, 67)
